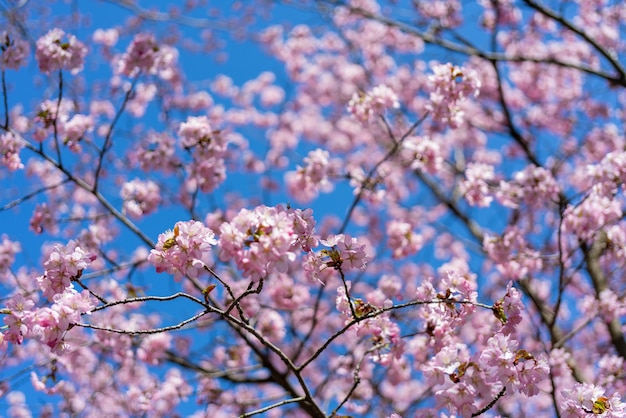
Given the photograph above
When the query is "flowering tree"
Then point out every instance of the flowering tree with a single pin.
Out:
(420, 213)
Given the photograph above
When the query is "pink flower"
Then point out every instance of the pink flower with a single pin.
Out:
(10, 147)
(449, 87)
(184, 250)
(144, 54)
(8, 250)
(352, 253)
(534, 186)
(208, 147)
(156, 152)
(106, 37)
(43, 219)
(58, 51)
(306, 182)
(271, 325)
(475, 187)
(63, 264)
(152, 348)
(74, 130)
(588, 400)
(140, 197)
(262, 240)
(424, 154)
(366, 106)
(503, 363)
(141, 55)
(402, 240)
(13, 51)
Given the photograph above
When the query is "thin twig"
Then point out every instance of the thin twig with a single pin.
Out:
(145, 331)
(30, 195)
(272, 406)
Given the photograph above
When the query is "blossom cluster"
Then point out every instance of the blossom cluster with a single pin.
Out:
(609, 173)
(57, 50)
(424, 154)
(10, 147)
(8, 250)
(533, 186)
(145, 54)
(475, 186)
(343, 252)
(588, 400)
(266, 239)
(13, 51)
(140, 197)
(156, 152)
(402, 240)
(449, 87)
(380, 329)
(366, 106)
(208, 148)
(47, 324)
(504, 363)
(513, 256)
(183, 251)
(63, 264)
(43, 219)
(55, 116)
(594, 212)
(307, 181)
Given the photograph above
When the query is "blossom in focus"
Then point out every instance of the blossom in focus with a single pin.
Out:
(183, 250)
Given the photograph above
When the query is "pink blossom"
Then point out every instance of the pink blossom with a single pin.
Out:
(106, 37)
(144, 94)
(594, 212)
(588, 400)
(287, 294)
(140, 197)
(475, 187)
(74, 130)
(366, 106)
(184, 250)
(13, 51)
(424, 154)
(402, 240)
(10, 147)
(146, 55)
(306, 182)
(156, 152)
(63, 264)
(271, 325)
(8, 250)
(43, 219)
(141, 55)
(197, 130)
(347, 253)
(449, 87)
(514, 257)
(534, 186)
(262, 240)
(58, 51)
(152, 348)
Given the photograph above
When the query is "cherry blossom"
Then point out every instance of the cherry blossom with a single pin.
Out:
(57, 50)
(449, 87)
(184, 249)
(14, 51)
(377, 208)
